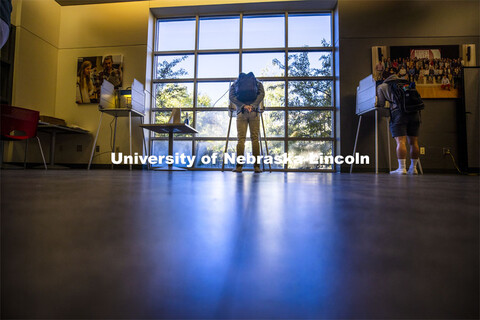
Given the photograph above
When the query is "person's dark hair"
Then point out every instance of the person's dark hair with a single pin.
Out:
(107, 58)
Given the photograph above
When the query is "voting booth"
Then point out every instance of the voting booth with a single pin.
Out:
(366, 101)
(122, 103)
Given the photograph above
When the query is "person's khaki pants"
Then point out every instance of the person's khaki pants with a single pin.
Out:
(252, 120)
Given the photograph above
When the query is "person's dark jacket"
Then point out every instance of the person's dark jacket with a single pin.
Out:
(5, 10)
(238, 105)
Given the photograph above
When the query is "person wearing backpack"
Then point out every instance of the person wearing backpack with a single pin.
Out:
(405, 106)
(246, 96)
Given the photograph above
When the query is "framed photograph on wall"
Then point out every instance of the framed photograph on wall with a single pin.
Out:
(92, 71)
(435, 70)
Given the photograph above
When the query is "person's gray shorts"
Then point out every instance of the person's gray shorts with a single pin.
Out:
(404, 124)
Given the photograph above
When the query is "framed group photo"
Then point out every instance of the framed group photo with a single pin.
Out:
(435, 70)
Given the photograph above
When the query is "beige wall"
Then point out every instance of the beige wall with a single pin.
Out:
(99, 30)
(36, 50)
(35, 67)
(50, 38)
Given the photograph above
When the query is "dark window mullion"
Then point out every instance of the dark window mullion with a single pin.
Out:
(195, 84)
(272, 79)
(334, 86)
(216, 138)
(246, 50)
(310, 78)
(311, 139)
(303, 49)
(173, 53)
(310, 108)
(285, 145)
(306, 108)
(240, 45)
(192, 80)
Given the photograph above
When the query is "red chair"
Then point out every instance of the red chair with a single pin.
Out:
(20, 124)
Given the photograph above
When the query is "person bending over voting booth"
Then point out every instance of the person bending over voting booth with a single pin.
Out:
(246, 96)
(405, 106)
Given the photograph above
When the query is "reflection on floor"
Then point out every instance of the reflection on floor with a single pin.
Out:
(118, 244)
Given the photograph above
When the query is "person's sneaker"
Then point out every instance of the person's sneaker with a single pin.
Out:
(237, 169)
(399, 171)
(412, 170)
(257, 170)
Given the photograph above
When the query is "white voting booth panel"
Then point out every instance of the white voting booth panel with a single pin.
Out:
(107, 96)
(366, 94)
(138, 96)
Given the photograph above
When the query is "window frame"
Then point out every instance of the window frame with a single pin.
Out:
(240, 50)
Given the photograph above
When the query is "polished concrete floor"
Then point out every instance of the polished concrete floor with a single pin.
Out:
(143, 245)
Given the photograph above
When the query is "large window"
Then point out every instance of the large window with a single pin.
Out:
(197, 59)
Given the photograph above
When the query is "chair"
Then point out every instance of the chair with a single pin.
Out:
(20, 124)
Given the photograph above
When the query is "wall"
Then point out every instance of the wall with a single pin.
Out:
(364, 24)
(51, 38)
(35, 66)
(45, 69)
(90, 30)
(36, 49)
(98, 30)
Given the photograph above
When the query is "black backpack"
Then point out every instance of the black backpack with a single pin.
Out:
(246, 88)
(405, 96)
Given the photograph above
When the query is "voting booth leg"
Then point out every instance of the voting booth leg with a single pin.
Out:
(114, 137)
(130, 134)
(226, 143)
(144, 143)
(41, 151)
(389, 153)
(261, 149)
(95, 141)
(376, 141)
(420, 166)
(170, 147)
(25, 157)
(266, 143)
(52, 148)
(150, 142)
(356, 139)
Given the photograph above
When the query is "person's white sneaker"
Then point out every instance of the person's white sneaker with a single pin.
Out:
(399, 171)
(412, 170)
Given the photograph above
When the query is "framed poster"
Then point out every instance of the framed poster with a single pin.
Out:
(91, 71)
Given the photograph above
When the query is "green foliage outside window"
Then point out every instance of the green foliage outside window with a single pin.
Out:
(301, 93)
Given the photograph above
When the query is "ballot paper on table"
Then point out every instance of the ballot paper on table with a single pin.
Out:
(366, 95)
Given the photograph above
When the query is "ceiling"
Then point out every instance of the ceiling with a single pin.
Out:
(79, 2)
(309, 4)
